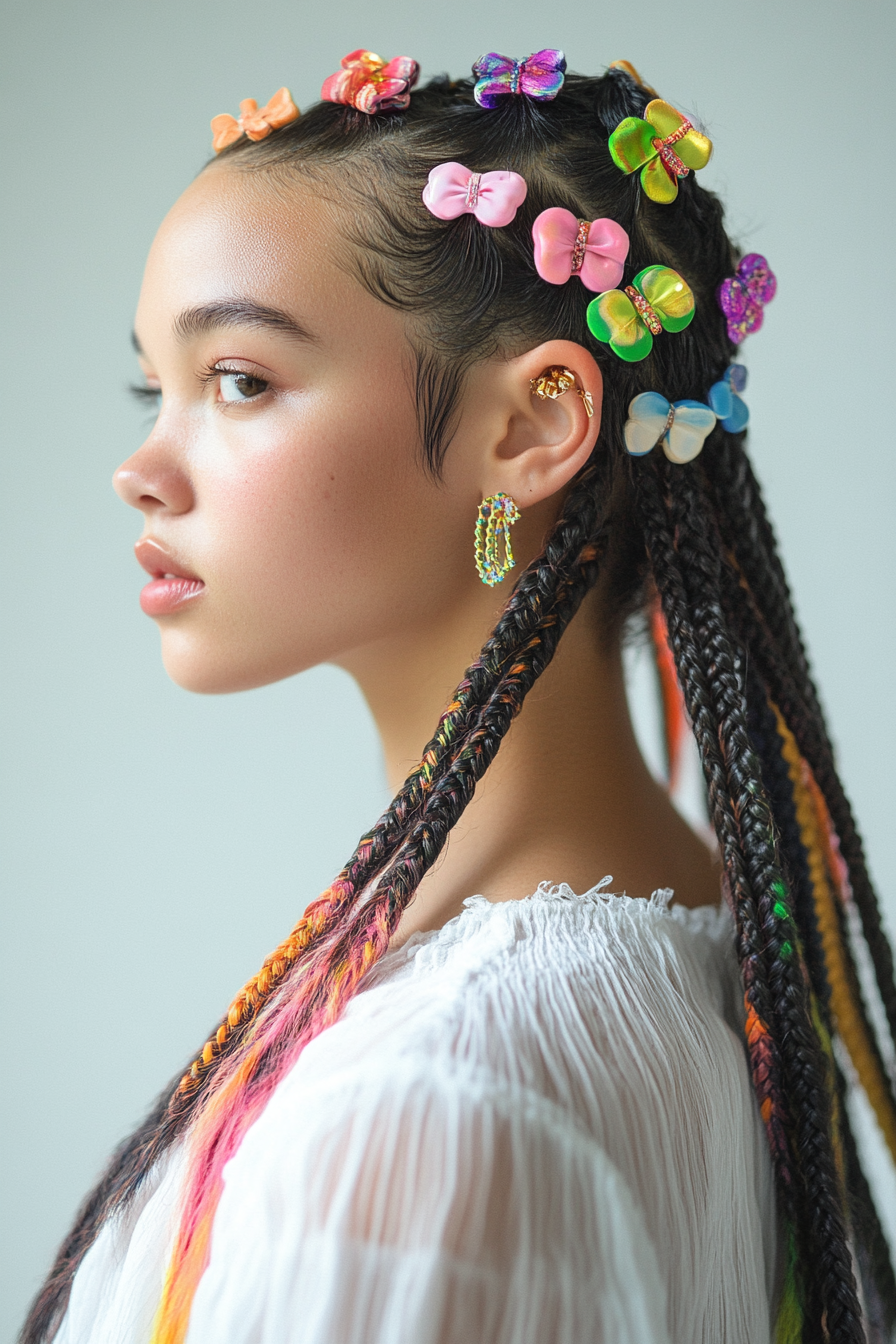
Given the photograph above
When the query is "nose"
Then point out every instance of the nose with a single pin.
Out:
(152, 482)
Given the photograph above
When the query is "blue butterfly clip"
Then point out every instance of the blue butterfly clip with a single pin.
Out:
(681, 427)
(723, 398)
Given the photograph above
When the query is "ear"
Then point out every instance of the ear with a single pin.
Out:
(536, 445)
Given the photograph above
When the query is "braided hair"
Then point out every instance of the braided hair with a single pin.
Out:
(698, 537)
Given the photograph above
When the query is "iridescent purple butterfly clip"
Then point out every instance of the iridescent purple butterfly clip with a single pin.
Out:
(743, 296)
(538, 76)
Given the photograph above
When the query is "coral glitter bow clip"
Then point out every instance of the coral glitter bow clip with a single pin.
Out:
(743, 296)
(494, 198)
(254, 121)
(594, 250)
(539, 76)
(369, 84)
(663, 144)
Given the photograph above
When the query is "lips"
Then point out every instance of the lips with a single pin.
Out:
(172, 583)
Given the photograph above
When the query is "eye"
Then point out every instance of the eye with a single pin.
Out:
(239, 386)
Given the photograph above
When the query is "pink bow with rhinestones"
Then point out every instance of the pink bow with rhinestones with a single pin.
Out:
(370, 84)
(493, 198)
(594, 250)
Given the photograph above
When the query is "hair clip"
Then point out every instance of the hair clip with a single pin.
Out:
(539, 76)
(369, 84)
(743, 296)
(254, 121)
(629, 69)
(648, 144)
(731, 409)
(555, 381)
(682, 427)
(594, 250)
(493, 198)
(657, 300)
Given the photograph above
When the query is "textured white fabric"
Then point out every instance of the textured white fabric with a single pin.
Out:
(534, 1126)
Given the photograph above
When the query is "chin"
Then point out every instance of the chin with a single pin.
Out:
(195, 667)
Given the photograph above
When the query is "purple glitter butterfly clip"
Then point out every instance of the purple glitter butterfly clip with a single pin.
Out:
(743, 296)
(538, 76)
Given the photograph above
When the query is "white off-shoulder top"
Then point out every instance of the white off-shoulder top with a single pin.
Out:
(532, 1126)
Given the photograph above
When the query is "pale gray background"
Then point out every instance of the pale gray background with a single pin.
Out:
(158, 845)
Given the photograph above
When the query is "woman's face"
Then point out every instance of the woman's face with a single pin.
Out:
(282, 485)
(288, 517)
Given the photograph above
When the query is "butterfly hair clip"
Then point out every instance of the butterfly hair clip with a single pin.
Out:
(493, 198)
(682, 427)
(594, 250)
(369, 84)
(726, 401)
(743, 296)
(254, 122)
(663, 144)
(539, 76)
(657, 300)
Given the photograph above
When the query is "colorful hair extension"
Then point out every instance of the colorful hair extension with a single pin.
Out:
(674, 716)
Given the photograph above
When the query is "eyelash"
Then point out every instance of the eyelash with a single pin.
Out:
(152, 395)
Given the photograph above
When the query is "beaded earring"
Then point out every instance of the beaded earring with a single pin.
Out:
(493, 522)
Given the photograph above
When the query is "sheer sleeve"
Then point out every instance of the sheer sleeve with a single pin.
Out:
(425, 1208)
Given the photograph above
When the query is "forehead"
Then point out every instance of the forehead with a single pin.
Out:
(280, 242)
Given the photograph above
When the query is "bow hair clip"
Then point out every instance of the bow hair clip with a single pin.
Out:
(539, 76)
(594, 250)
(369, 84)
(629, 69)
(743, 296)
(663, 144)
(657, 300)
(725, 400)
(254, 121)
(493, 198)
(682, 427)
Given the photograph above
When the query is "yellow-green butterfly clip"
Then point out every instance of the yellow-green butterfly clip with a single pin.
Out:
(657, 300)
(664, 145)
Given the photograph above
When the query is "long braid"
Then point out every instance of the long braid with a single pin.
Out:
(748, 532)
(806, 1073)
(762, 1043)
(809, 746)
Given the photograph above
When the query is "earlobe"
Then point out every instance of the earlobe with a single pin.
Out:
(554, 395)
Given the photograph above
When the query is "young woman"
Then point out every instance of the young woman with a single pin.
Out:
(459, 1104)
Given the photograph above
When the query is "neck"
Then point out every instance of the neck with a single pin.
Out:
(568, 796)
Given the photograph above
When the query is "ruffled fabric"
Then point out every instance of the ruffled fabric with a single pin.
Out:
(532, 1126)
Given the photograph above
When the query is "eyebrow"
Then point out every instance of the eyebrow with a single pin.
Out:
(208, 317)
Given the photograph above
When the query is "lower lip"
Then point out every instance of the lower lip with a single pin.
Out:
(163, 596)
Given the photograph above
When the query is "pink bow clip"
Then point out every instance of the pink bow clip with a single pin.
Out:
(254, 121)
(493, 198)
(594, 250)
(369, 84)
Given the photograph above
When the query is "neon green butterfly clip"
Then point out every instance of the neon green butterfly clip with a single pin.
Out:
(648, 145)
(657, 300)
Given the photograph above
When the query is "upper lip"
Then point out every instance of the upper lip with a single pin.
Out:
(158, 561)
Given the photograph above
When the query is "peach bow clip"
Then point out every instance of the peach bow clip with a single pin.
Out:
(594, 250)
(370, 84)
(254, 121)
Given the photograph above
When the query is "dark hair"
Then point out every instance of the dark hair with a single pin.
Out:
(794, 871)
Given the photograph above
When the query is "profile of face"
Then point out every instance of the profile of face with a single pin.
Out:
(289, 518)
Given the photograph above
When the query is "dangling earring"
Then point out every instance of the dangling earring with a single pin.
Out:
(555, 381)
(492, 525)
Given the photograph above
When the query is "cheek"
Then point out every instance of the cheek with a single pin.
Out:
(326, 534)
